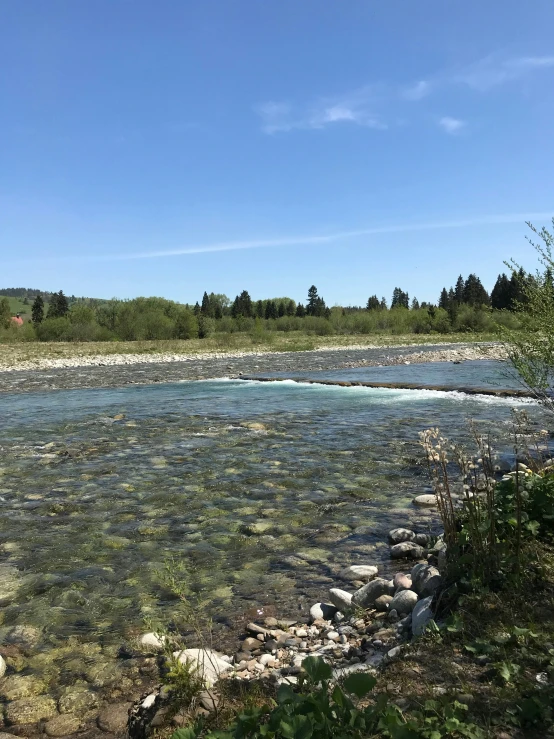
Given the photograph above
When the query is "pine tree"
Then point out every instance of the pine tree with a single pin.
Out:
(444, 300)
(415, 304)
(290, 308)
(260, 313)
(459, 290)
(474, 293)
(58, 305)
(372, 303)
(206, 307)
(400, 299)
(300, 310)
(316, 305)
(37, 311)
(383, 305)
(281, 309)
(501, 295)
(197, 309)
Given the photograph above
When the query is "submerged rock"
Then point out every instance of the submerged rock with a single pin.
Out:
(24, 636)
(62, 725)
(30, 710)
(360, 572)
(113, 718)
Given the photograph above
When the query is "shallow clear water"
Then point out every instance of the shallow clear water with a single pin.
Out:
(265, 491)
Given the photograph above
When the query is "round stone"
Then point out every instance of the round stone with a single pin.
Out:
(29, 710)
(113, 718)
(152, 640)
(406, 550)
(396, 536)
(326, 611)
(404, 601)
(360, 572)
(62, 725)
(382, 602)
(341, 599)
(425, 501)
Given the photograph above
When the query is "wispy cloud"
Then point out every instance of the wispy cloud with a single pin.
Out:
(356, 107)
(371, 105)
(418, 90)
(491, 71)
(451, 125)
(307, 239)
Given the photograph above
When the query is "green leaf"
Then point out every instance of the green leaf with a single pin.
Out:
(359, 683)
(187, 732)
(317, 669)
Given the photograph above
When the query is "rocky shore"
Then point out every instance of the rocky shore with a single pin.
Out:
(353, 631)
(119, 370)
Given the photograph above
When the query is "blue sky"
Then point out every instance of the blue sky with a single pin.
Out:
(174, 147)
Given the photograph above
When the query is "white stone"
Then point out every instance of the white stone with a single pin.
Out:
(152, 640)
(149, 701)
(341, 599)
(425, 501)
(209, 663)
(333, 635)
(325, 611)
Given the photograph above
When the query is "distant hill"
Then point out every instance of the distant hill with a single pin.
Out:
(21, 299)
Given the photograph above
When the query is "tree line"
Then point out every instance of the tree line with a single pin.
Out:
(464, 307)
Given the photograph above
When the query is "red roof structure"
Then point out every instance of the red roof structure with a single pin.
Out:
(17, 320)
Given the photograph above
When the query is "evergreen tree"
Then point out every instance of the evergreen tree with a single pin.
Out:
(206, 308)
(260, 313)
(300, 310)
(37, 311)
(290, 308)
(281, 309)
(459, 290)
(271, 310)
(474, 293)
(242, 306)
(218, 311)
(197, 309)
(400, 299)
(58, 307)
(501, 295)
(444, 299)
(373, 303)
(415, 304)
(384, 304)
(316, 304)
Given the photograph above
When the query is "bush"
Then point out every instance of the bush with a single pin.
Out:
(54, 329)
(206, 326)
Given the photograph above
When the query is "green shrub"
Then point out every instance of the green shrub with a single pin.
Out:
(54, 329)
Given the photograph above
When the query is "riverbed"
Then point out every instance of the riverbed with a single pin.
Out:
(254, 495)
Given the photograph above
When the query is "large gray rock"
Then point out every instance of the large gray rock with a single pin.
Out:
(207, 662)
(422, 615)
(425, 579)
(406, 550)
(113, 717)
(360, 572)
(404, 601)
(366, 596)
(341, 599)
(325, 611)
(396, 536)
